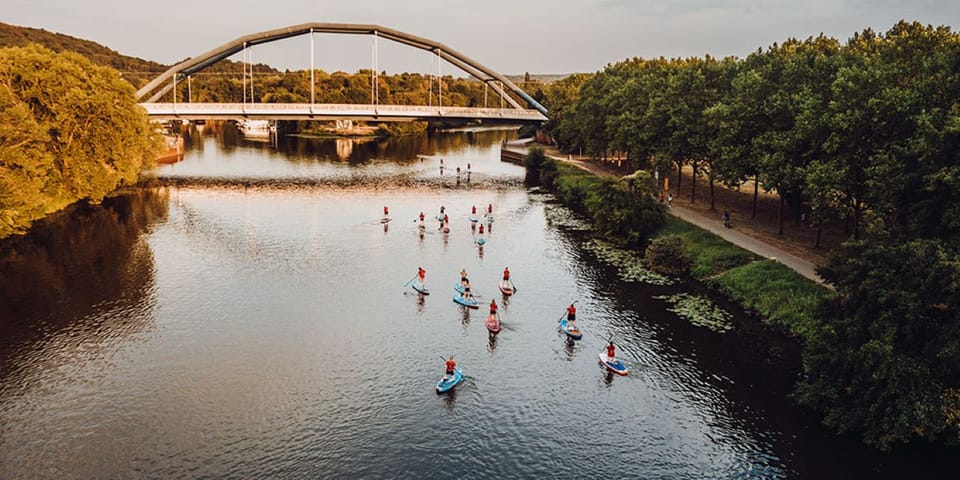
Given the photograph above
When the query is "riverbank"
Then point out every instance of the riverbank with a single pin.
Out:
(777, 292)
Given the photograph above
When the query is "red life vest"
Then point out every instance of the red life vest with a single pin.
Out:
(571, 310)
(506, 274)
(451, 365)
(611, 351)
(493, 307)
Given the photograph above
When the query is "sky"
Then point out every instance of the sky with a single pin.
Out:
(509, 36)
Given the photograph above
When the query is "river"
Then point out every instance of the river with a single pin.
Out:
(248, 319)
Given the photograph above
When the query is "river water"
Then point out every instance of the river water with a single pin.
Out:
(248, 319)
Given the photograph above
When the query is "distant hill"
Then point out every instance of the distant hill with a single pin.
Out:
(137, 70)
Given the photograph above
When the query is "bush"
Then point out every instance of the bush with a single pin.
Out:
(666, 255)
(534, 163)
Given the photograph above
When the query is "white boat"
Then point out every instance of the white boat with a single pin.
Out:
(256, 129)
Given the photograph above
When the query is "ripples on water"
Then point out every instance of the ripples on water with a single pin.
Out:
(234, 326)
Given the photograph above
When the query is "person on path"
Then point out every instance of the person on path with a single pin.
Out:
(450, 367)
(726, 219)
(571, 317)
(611, 351)
(669, 200)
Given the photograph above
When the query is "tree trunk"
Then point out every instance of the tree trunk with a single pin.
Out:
(713, 204)
(693, 181)
(756, 191)
(856, 220)
(679, 174)
(780, 215)
(819, 231)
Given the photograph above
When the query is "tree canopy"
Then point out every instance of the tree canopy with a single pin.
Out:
(69, 130)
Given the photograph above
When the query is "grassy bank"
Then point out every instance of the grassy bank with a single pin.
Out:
(781, 296)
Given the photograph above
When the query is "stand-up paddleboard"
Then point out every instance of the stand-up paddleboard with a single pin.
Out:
(458, 287)
(474, 219)
(506, 287)
(466, 302)
(446, 229)
(574, 334)
(489, 218)
(385, 220)
(481, 241)
(420, 288)
(493, 323)
(447, 383)
(615, 366)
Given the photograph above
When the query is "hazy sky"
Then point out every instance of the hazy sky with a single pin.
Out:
(510, 36)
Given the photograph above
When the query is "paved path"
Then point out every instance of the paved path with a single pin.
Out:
(713, 225)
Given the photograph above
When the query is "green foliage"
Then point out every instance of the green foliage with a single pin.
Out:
(631, 267)
(699, 311)
(784, 297)
(883, 356)
(627, 214)
(398, 129)
(666, 255)
(710, 254)
(534, 164)
(69, 130)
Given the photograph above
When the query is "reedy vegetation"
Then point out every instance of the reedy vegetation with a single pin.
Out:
(866, 132)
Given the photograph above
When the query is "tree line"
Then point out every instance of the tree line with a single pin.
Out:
(272, 86)
(69, 130)
(866, 131)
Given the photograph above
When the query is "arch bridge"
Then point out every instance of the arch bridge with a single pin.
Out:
(510, 109)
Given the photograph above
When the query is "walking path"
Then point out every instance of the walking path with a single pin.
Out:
(711, 224)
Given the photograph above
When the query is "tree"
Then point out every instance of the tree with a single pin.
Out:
(71, 131)
(883, 358)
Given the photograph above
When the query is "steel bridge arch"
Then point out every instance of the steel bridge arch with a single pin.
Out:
(159, 86)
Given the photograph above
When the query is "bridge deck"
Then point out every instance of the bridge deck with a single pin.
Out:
(306, 111)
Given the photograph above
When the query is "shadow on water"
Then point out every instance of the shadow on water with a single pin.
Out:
(70, 266)
(754, 366)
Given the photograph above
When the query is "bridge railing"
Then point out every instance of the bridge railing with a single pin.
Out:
(333, 110)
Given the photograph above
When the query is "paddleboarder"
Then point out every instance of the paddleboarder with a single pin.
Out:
(493, 307)
(481, 229)
(473, 211)
(571, 317)
(386, 212)
(506, 274)
(451, 366)
(611, 351)
(422, 217)
(421, 275)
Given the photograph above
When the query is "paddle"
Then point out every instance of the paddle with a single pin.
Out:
(408, 281)
(513, 286)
